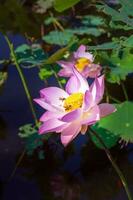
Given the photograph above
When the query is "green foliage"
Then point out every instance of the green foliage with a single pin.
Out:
(16, 17)
(128, 42)
(30, 55)
(42, 6)
(120, 123)
(63, 81)
(123, 14)
(92, 20)
(58, 37)
(84, 30)
(63, 38)
(107, 137)
(61, 5)
(45, 73)
(49, 20)
(105, 46)
(27, 130)
(3, 78)
(33, 141)
(121, 65)
(115, 25)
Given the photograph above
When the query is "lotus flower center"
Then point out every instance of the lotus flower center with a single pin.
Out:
(81, 63)
(73, 102)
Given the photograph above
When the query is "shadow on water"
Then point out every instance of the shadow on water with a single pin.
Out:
(80, 172)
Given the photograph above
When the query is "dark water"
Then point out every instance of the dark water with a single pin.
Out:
(82, 173)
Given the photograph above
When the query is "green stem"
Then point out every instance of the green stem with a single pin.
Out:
(56, 22)
(114, 99)
(124, 91)
(57, 78)
(111, 159)
(27, 92)
(17, 164)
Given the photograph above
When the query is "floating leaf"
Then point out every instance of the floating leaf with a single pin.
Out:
(128, 42)
(107, 137)
(30, 55)
(122, 66)
(58, 37)
(105, 46)
(123, 14)
(115, 25)
(91, 20)
(120, 123)
(61, 5)
(84, 30)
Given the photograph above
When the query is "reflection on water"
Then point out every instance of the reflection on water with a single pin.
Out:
(80, 172)
(95, 179)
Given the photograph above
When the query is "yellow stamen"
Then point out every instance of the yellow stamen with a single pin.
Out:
(73, 102)
(81, 63)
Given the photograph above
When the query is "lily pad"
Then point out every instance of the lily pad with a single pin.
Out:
(107, 137)
(120, 123)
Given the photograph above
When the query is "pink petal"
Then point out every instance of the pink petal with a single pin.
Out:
(92, 116)
(72, 85)
(54, 96)
(65, 73)
(81, 49)
(82, 81)
(88, 100)
(71, 116)
(51, 125)
(106, 109)
(87, 55)
(80, 53)
(77, 83)
(70, 133)
(92, 71)
(49, 115)
(65, 64)
(45, 105)
(97, 89)
(53, 93)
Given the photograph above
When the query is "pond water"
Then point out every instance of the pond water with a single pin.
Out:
(82, 174)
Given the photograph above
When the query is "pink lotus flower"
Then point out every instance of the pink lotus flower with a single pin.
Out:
(73, 110)
(83, 62)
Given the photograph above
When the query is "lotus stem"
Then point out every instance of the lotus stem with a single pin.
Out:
(124, 91)
(27, 92)
(114, 164)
